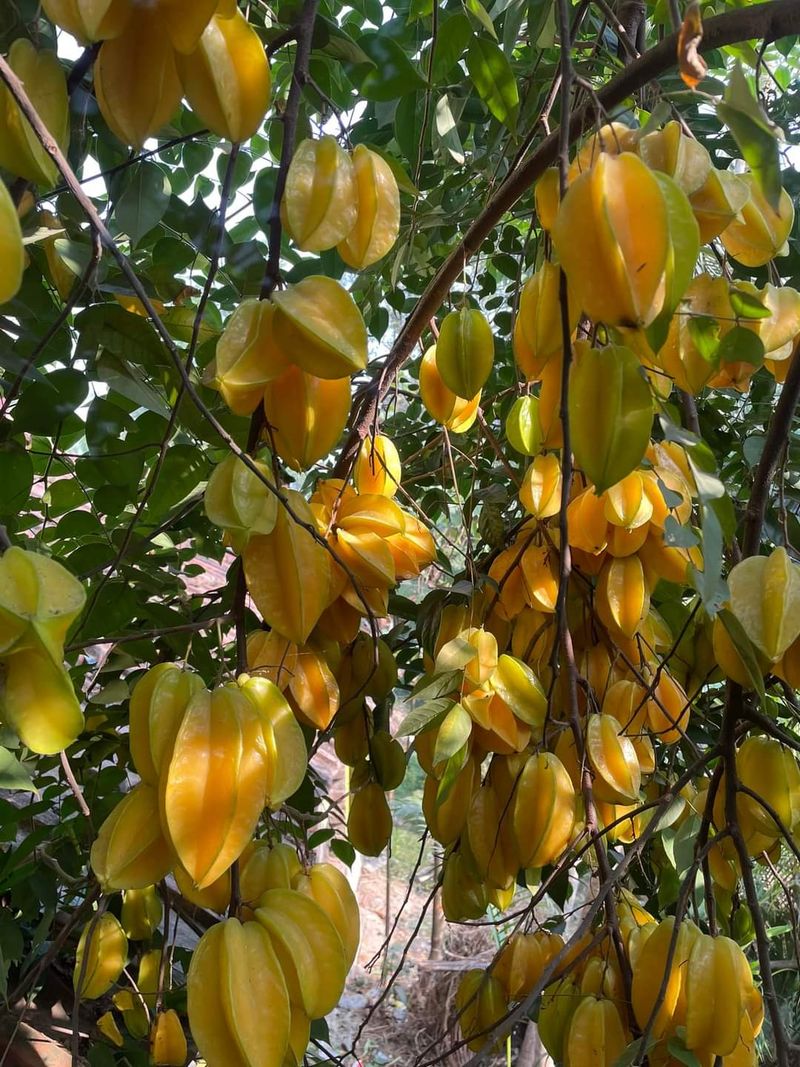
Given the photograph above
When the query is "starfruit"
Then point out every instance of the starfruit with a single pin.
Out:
(12, 251)
(622, 597)
(226, 78)
(717, 202)
(238, 501)
(136, 80)
(673, 152)
(523, 428)
(559, 1002)
(307, 415)
(215, 897)
(130, 851)
(595, 1034)
(713, 995)
(377, 221)
(318, 326)
(447, 815)
(308, 947)
(215, 786)
(322, 194)
(668, 1011)
(107, 1026)
(441, 403)
(21, 152)
(289, 573)
(759, 232)
(765, 598)
(101, 956)
(157, 705)
(546, 197)
(613, 759)
(771, 771)
(264, 868)
(377, 469)
(238, 1005)
(522, 960)
(481, 1005)
(39, 601)
(89, 20)
(465, 352)
(38, 701)
(539, 320)
(133, 1011)
(668, 710)
(168, 1046)
(149, 977)
(141, 912)
(369, 821)
(326, 885)
(544, 808)
(611, 413)
(541, 489)
(246, 357)
(287, 757)
(612, 238)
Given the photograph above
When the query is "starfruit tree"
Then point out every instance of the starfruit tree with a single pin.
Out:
(420, 378)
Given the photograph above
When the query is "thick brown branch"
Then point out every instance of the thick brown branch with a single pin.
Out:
(766, 22)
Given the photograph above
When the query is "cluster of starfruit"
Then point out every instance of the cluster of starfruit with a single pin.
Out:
(153, 55)
(39, 601)
(255, 986)
(341, 200)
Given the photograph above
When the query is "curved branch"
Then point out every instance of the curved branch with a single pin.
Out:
(767, 22)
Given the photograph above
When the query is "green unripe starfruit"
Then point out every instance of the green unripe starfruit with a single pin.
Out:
(465, 352)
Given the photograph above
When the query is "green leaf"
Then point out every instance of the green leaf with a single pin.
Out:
(44, 404)
(754, 133)
(15, 484)
(446, 130)
(453, 733)
(493, 78)
(143, 201)
(481, 15)
(747, 306)
(704, 332)
(453, 768)
(393, 74)
(13, 774)
(708, 582)
(334, 42)
(424, 717)
(684, 250)
(452, 39)
(741, 345)
(744, 646)
(343, 851)
(430, 686)
(676, 1048)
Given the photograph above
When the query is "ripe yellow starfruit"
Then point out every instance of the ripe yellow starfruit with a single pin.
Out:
(326, 885)
(141, 912)
(39, 601)
(377, 469)
(287, 757)
(539, 320)
(21, 152)
(611, 413)
(623, 597)
(612, 238)
(239, 1012)
(157, 705)
(308, 947)
(441, 403)
(673, 152)
(131, 851)
(215, 786)
(771, 771)
(321, 199)
(713, 995)
(149, 976)
(89, 20)
(447, 815)
(318, 326)
(136, 79)
(101, 955)
(465, 352)
(541, 489)
(307, 415)
(595, 1034)
(289, 573)
(238, 501)
(168, 1046)
(765, 598)
(12, 251)
(648, 976)
(246, 357)
(226, 77)
(613, 759)
(759, 232)
(38, 701)
(481, 1005)
(377, 222)
(544, 810)
(717, 202)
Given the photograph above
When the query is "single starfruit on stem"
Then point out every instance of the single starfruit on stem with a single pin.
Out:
(156, 710)
(136, 80)
(544, 809)
(226, 77)
(523, 427)
(168, 1046)
(713, 995)
(539, 320)
(441, 403)
(759, 232)
(283, 738)
(238, 1005)
(377, 222)
(39, 601)
(238, 501)
(318, 326)
(378, 469)
(38, 701)
(649, 974)
(613, 759)
(307, 415)
(131, 851)
(185, 20)
(246, 357)
(369, 822)
(612, 239)
(765, 598)
(21, 152)
(89, 20)
(322, 195)
(326, 885)
(215, 786)
(101, 955)
(717, 202)
(465, 352)
(141, 912)
(673, 152)
(595, 1034)
(12, 251)
(308, 948)
(481, 1005)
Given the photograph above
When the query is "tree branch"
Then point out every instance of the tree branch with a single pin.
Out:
(767, 21)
